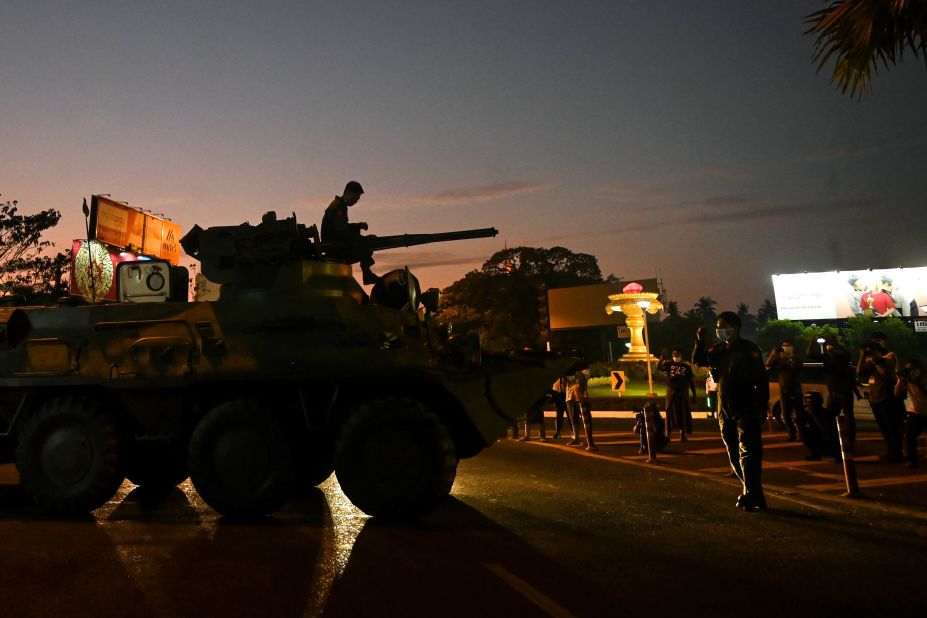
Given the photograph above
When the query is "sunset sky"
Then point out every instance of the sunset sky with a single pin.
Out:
(687, 140)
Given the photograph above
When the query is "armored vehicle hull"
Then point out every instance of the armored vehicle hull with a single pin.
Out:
(255, 395)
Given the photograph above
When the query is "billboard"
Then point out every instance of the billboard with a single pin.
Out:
(132, 229)
(898, 292)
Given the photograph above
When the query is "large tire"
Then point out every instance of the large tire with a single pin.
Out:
(241, 460)
(395, 459)
(157, 465)
(69, 456)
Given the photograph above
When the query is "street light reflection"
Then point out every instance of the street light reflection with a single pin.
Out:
(347, 521)
(312, 539)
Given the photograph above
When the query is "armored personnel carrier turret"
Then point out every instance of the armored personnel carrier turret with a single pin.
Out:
(293, 373)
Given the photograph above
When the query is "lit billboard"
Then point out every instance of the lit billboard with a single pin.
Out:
(898, 292)
(132, 229)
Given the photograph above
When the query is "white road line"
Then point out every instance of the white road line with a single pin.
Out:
(547, 605)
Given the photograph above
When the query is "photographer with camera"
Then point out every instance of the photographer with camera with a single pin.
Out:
(912, 383)
(787, 367)
(878, 363)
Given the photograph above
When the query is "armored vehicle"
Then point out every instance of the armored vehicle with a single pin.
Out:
(293, 373)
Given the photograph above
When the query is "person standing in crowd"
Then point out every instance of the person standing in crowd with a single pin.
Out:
(711, 396)
(558, 396)
(839, 378)
(743, 393)
(879, 364)
(535, 416)
(577, 398)
(912, 382)
(787, 366)
(680, 381)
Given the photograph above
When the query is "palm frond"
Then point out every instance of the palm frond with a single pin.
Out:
(859, 35)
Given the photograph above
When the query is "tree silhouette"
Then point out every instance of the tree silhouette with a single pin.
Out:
(704, 310)
(748, 322)
(504, 297)
(766, 312)
(24, 269)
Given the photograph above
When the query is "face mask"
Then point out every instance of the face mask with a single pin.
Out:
(722, 334)
(676, 358)
(787, 350)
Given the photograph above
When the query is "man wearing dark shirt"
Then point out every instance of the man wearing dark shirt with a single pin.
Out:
(680, 381)
(337, 229)
(839, 377)
(743, 391)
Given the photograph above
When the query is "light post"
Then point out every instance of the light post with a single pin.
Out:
(636, 304)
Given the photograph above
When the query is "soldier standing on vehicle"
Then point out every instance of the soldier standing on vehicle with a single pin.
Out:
(337, 229)
(787, 366)
(743, 392)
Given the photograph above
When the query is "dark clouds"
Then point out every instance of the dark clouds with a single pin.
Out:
(485, 193)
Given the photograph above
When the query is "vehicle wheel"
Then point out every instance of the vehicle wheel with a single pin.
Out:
(68, 456)
(395, 458)
(156, 464)
(241, 460)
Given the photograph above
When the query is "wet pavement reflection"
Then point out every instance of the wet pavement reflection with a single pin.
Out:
(168, 554)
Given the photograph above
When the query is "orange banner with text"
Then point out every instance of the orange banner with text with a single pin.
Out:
(131, 229)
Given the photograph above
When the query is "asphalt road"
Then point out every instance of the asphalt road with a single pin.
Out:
(531, 530)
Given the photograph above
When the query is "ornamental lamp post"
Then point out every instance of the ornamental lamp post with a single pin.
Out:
(635, 303)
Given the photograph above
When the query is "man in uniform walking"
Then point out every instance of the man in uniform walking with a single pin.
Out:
(743, 391)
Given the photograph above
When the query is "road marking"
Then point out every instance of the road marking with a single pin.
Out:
(882, 482)
(773, 491)
(547, 605)
(709, 451)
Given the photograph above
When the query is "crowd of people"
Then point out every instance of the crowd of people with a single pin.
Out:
(739, 395)
(570, 396)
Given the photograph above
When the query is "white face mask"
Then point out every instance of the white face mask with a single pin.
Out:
(676, 358)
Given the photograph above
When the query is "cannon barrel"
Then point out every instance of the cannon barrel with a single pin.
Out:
(249, 256)
(380, 243)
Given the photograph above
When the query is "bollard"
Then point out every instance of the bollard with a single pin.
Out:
(648, 429)
(849, 466)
